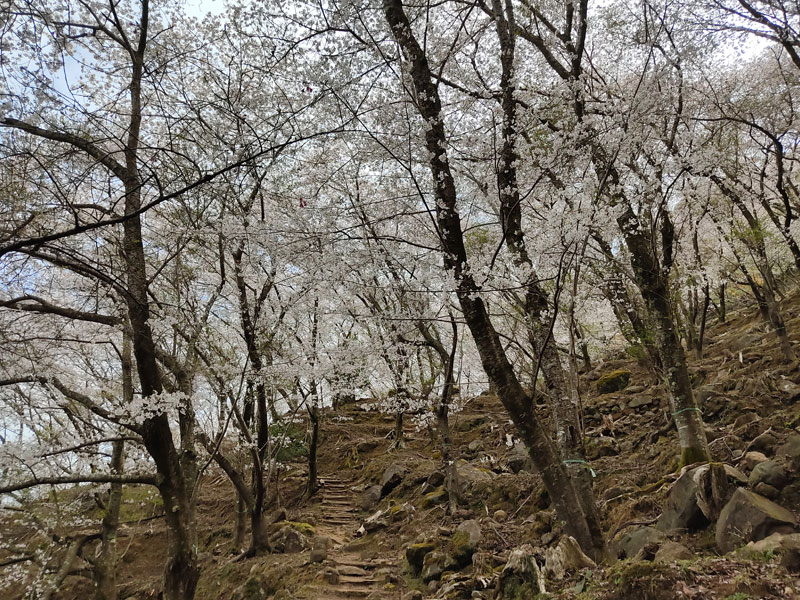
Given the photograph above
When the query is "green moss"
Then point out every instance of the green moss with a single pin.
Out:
(613, 381)
(438, 496)
(691, 455)
(306, 529)
(415, 554)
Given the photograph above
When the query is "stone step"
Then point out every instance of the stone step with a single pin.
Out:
(350, 591)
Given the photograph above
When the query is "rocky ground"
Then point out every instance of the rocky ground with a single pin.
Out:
(379, 525)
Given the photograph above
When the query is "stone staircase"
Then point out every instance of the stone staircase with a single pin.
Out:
(349, 575)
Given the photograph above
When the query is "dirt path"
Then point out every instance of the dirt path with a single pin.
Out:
(357, 577)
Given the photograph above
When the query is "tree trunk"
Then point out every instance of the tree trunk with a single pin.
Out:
(520, 407)
(313, 415)
(240, 528)
(105, 564)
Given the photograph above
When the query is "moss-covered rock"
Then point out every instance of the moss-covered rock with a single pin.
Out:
(437, 496)
(613, 381)
(307, 529)
(415, 554)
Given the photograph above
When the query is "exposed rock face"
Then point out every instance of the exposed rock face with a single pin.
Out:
(771, 472)
(790, 451)
(521, 577)
(465, 541)
(697, 496)
(415, 554)
(371, 497)
(288, 540)
(632, 542)
(565, 557)
(613, 382)
(750, 517)
(392, 477)
(433, 566)
(670, 552)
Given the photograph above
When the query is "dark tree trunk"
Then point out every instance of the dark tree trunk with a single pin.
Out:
(519, 405)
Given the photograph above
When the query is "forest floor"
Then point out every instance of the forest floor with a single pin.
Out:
(750, 401)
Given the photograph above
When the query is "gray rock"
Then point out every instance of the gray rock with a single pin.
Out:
(371, 497)
(640, 401)
(770, 472)
(790, 450)
(500, 515)
(415, 554)
(766, 490)
(689, 504)
(751, 459)
(475, 446)
(318, 555)
(433, 566)
(465, 541)
(632, 542)
(415, 595)
(766, 443)
(670, 552)
(750, 517)
(392, 477)
(519, 459)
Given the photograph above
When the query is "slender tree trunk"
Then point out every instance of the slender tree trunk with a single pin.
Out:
(105, 564)
(313, 415)
(722, 310)
(240, 528)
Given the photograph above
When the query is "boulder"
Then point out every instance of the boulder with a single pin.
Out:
(469, 474)
(464, 542)
(437, 496)
(766, 490)
(371, 497)
(632, 542)
(775, 543)
(433, 566)
(565, 557)
(750, 517)
(752, 459)
(475, 446)
(790, 451)
(414, 595)
(392, 477)
(519, 459)
(771, 472)
(766, 443)
(521, 577)
(697, 496)
(670, 552)
(601, 446)
(614, 381)
(288, 540)
(415, 554)
(319, 548)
